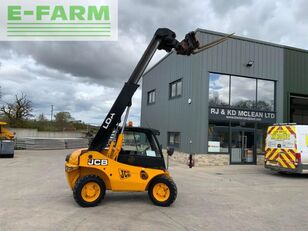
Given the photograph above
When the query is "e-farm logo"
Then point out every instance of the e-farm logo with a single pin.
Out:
(59, 20)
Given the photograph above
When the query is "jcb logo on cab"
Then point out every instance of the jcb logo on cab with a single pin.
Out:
(97, 162)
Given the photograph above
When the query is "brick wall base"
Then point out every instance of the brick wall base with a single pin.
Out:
(260, 159)
(206, 159)
(201, 159)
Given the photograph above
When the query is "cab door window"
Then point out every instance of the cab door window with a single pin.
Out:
(137, 143)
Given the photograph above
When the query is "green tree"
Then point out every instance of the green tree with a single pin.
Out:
(42, 123)
(41, 118)
(216, 101)
(63, 121)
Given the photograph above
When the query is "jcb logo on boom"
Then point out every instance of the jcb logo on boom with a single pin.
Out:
(97, 162)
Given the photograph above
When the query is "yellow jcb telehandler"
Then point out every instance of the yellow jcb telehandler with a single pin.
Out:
(128, 158)
(6, 141)
(5, 134)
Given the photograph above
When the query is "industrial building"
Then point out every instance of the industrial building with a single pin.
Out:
(219, 103)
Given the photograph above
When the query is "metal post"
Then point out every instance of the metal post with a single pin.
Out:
(51, 113)
(191, 161)
(167, 161)
(125, 119)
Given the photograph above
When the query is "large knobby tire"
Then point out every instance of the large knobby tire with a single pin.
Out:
(89, 191)
(162, 191)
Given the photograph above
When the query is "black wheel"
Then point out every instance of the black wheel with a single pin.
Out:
(89, 191)
(162, 191)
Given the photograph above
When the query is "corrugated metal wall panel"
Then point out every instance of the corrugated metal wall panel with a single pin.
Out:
(191, 120)
(296, 75)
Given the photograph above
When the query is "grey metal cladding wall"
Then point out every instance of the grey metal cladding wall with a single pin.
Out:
(296, 75)
(231, 57)
(191, 120)
(167, 114)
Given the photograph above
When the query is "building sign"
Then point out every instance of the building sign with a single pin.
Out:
(241, 115)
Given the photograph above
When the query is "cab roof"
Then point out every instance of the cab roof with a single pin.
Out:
(143, 129)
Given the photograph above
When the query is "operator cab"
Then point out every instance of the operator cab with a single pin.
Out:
(141, 148)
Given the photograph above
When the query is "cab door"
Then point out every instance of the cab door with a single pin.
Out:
(141, 149)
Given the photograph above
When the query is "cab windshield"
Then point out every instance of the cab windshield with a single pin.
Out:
(139, 143)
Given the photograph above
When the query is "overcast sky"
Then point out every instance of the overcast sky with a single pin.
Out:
(84, 78)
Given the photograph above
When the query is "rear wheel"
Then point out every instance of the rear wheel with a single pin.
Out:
(162, 191)
(89, 191)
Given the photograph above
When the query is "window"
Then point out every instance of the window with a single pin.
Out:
(243, 92)
(138, 143)
(219, 90)
(151, 97)
(175, 89)
(218, 137)
(174, 139)
(266, 95)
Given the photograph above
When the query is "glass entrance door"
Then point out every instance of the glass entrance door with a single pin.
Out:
(242, 147)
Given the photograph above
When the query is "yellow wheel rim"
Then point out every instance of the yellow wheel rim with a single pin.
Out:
(161, 192)
(90, 191)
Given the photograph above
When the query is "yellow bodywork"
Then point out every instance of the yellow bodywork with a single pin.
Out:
(116, 176)
(5, 134)
(161, 192)
(91, 191)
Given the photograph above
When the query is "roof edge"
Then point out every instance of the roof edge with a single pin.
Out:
(234, 37)
(252, 40)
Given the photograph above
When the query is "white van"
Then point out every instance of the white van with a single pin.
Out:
(286, 148)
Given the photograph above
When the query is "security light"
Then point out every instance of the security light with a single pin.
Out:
(250, 63)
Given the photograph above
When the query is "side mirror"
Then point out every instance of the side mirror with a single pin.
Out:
(170, 151)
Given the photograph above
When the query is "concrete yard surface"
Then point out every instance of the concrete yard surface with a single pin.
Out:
(34, 195)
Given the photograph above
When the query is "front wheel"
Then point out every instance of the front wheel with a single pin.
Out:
(162, 191)
(89, 191)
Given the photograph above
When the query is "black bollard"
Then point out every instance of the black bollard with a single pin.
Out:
(191, 161)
